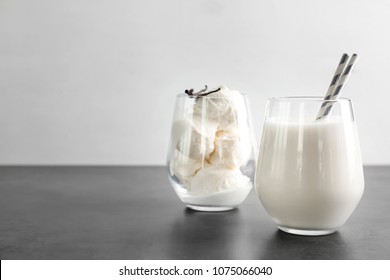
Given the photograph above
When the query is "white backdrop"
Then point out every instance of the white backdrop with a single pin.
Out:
(94, 82)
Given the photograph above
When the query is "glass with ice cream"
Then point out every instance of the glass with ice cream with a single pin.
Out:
(309, 174)
(211, 159)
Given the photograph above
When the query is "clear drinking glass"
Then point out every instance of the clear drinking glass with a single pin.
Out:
(309, 176)
(211, 159)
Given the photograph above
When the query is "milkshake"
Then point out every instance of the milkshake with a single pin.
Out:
(309, 175)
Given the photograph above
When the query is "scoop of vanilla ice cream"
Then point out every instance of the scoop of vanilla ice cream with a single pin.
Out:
(228, 150)
(225, 107)
(193, 142)
(179, 128)
(197, 141)
(211, 179)
(244, 146)
(184, 167)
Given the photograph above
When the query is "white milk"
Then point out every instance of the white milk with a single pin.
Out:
(231, 197)
(309, 174)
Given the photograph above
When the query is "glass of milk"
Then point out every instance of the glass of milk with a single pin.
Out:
(309, 176)
(211, 158)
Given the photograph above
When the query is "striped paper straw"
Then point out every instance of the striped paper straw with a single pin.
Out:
(326, 106)
(333, 83)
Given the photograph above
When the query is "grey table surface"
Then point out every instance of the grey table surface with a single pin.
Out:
(129, 212)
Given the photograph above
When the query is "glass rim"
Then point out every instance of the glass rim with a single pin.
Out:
(209, 96)
(307, 98)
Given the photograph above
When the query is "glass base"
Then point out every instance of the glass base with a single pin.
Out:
(315, 232)
(210, 208)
